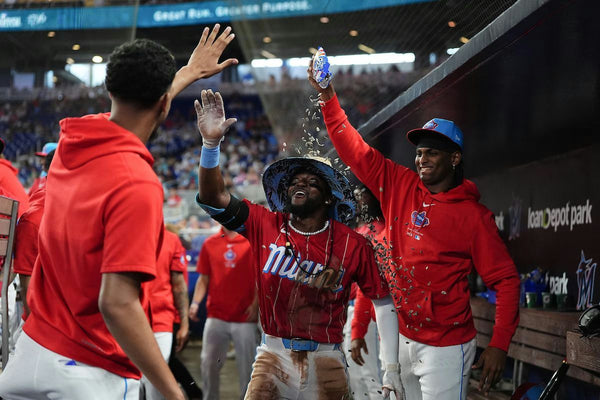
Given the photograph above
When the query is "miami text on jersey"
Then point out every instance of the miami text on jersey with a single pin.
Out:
(309, 273)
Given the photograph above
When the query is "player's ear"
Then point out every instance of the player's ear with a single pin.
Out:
(456, 158)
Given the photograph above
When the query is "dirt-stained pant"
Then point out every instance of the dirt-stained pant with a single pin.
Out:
(280, 373)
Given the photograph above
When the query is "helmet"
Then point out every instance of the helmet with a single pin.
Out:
(589, 321)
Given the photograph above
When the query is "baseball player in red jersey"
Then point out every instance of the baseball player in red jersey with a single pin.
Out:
(167, 296)
(228, 275)
(438, 233)
(87, 336)
(306, 259)
(40, 181)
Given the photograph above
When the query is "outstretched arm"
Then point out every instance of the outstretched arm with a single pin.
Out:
(119, 303)
(204, 60)
(212, 126)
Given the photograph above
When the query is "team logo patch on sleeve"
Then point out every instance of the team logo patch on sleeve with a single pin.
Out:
(419, 219)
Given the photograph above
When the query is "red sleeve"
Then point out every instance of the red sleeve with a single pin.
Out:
(368, 164)
(498, 271)
(178, 261)
(368, 278)
(203, 265)
(26, 247)
(362, 315)
(133, 227)
(13, 189)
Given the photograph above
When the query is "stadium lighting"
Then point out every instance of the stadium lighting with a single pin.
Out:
(324, 20)
(463, 39)
(51, 34)
(267, 54)
(298, 61)
(70, 60)
(353, 33)
(267, 63)
(97, 59)
(267, 39)
(378, 58)
(366, 49)
(451, 24)
(452, 51)
(76, 47)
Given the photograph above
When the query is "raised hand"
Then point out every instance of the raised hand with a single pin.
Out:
(204, 60)
(211, 118)
(324, 94)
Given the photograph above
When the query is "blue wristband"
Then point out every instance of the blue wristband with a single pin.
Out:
(209, 158)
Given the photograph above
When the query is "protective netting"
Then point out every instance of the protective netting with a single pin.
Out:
(418, 35)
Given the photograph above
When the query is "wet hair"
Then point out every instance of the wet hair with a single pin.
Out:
(140, 72)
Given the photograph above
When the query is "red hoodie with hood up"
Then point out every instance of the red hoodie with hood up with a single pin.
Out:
(103, 214)
(436, 240)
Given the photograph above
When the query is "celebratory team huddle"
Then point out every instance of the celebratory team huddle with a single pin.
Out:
(102, 230)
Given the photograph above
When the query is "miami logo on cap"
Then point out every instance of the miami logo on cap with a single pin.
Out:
(430, 125)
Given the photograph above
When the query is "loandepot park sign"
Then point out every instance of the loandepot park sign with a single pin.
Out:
(569, 215)
(194, 13)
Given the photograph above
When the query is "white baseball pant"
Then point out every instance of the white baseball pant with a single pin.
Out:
(435, 373)
(164, 340)
(36, 373)
(280, 373)
(215, 343)
(365, 380)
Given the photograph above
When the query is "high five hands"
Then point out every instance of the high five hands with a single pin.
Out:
(211, 118)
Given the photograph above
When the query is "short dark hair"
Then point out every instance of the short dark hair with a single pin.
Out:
(140, 72)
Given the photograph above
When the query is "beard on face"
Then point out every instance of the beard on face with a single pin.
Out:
(303, 210)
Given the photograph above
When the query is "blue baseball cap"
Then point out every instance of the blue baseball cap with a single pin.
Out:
(48, 147)
(444, 127)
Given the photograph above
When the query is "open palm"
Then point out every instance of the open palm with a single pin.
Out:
(211, 117)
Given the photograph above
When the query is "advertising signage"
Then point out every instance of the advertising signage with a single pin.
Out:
(195, 13)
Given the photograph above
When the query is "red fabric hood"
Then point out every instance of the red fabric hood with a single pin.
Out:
(465, 191)
(8, 165)
(93, 136)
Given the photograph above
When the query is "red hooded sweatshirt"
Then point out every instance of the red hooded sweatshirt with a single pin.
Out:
(11, 187)
(103, 214)
(436, 240)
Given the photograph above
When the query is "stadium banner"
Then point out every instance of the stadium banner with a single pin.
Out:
(150, 16)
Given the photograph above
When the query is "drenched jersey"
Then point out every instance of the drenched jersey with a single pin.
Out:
(304, 288)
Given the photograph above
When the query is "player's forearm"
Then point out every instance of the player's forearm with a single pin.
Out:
(366, 163)
(24, 281)
(507, 312)
(211, 188)
(200, 289)
(387, 326)
(180, 298)
(125, 319)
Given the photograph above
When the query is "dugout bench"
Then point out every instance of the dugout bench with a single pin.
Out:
(543, 339)
(8, 221)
